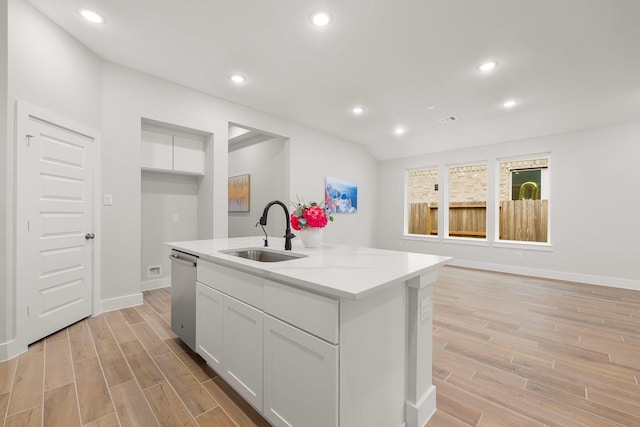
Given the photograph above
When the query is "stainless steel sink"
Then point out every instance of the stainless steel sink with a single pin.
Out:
(263, 255)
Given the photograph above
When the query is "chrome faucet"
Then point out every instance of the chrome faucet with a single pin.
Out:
(288, 235)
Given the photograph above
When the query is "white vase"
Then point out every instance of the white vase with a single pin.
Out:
(311, 237)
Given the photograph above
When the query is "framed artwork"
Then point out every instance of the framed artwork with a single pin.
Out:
(239, 193)
(341, 195)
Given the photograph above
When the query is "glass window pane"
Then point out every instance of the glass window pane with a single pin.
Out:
(468, 201)
(422, 198)
(524, 200)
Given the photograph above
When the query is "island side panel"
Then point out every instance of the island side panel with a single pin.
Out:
(373, 346)
(421, 393)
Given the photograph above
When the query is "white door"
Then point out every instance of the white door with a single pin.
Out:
(54, 223)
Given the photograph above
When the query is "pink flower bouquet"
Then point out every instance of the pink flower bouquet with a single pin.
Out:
(312, 215)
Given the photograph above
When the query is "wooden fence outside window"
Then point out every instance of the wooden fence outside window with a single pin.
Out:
(520, 220)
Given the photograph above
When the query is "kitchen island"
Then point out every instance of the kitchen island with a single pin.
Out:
(339, 336)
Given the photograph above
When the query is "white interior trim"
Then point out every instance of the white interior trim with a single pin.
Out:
(117, 303)
(148, 285)
(615, 282)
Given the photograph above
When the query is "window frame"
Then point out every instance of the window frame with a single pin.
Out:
(545, 184)
(446, 208)
(405, 232)
(492, 238)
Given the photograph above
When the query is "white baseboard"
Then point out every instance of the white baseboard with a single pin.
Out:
(148, 285)
(11, 349)
(120, 302)
(417, 415)
(614, 282)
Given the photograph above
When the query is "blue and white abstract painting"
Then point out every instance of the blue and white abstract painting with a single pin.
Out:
(341, 195)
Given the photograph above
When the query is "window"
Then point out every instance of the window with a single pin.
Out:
(468, 201)
(524, 199)
(422, 202)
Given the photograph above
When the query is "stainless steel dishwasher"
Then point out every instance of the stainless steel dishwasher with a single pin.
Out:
(183, 296)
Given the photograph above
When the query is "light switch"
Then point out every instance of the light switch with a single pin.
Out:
(108, 200)
(176, 218)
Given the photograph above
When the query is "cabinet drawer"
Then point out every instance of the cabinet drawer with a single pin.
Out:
(311, 312)
(243, 286)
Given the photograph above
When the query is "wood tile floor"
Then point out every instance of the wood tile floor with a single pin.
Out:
(123, 368)
(519, 351)
(508, 351)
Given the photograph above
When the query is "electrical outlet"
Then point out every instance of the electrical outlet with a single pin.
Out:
(107, 200)
(425, 309)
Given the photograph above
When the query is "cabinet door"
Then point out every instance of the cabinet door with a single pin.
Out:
(300, 377)
(209, 325)
(243, 335)
(157, 150)
(188, 155)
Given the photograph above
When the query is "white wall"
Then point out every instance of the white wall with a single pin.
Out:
(50, 69)
(313, 159)
(129, 95)
(594, 202)
(163, 196)
(267, 164)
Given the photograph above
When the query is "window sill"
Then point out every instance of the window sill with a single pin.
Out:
(507, 244)
(421, 237)
(466, 241)
(532, 246)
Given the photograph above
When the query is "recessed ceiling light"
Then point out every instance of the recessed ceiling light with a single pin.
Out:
(357, 110)
(237, 78)
(399, 130)
(510, 103)
(92, 16)
(488, 66)
(321, 19)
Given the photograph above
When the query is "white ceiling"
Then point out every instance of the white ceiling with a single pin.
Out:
(574, 64)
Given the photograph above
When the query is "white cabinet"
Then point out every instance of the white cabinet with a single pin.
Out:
(300, 377)
(172, 153)
(209, 325)
(238, 284)
(229, 337)
(157, 150)
(243, 350)
(277, 346)
(310, 312)
(188, 155)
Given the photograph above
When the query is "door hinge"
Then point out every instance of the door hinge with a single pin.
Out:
(28, 225)
(28, 137)
(28, 311)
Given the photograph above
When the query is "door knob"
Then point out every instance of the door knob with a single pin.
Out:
(89, 236)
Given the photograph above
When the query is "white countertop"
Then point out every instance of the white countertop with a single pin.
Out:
(335, 270)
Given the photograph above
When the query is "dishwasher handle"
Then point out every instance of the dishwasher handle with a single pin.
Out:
(178, 260)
